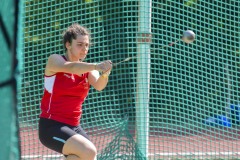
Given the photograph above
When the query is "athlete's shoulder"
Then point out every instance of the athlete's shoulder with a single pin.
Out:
(56, 57)
(54, 64)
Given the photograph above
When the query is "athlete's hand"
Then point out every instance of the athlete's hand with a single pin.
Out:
(105, 66)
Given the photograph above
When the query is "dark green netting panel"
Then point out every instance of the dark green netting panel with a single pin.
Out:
(172, 102)
(9, 134)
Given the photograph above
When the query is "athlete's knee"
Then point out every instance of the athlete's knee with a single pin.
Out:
(80, 146)
(91, 153)
(72, 157)
(83, 157)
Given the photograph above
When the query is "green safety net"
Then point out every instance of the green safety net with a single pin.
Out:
(177, 101)
(9, 135)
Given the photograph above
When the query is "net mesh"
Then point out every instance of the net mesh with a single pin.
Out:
(8, 74)
(194, 105)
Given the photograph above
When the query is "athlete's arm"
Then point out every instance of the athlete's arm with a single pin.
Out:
(56, 63)
(98, 82)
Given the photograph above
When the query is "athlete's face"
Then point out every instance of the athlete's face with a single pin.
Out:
(78, 49)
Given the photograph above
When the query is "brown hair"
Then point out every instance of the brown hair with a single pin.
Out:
(73, 31)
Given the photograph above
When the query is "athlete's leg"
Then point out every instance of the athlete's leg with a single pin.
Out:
(78, 147)
(69, 140)
(72, 157)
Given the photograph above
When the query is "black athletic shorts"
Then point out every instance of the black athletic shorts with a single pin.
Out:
(54, 134)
